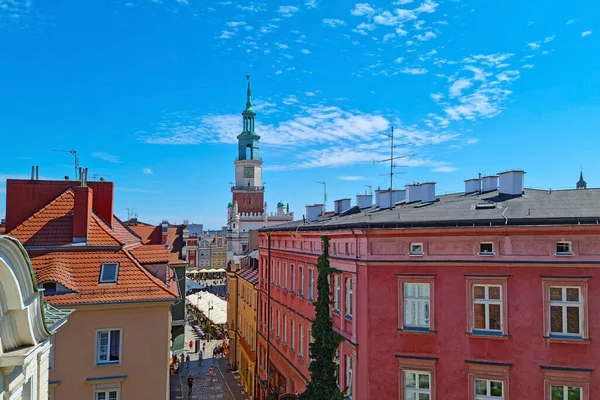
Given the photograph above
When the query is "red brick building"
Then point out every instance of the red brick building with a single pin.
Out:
(489, 294)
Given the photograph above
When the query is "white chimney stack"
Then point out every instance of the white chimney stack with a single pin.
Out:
(385, 199)
(398, 195)
(427, 192)
(413, 193)
(489, 183)
(313, 212)
(339, 206)
(512, 182)
(364, 200)
(471, 185)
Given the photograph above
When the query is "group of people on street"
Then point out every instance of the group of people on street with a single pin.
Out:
(190, 379)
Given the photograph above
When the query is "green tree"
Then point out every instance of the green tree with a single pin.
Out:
(323, 369)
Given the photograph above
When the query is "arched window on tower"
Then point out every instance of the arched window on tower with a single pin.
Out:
(249, 152)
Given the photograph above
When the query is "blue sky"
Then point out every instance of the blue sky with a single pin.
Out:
(150, 93)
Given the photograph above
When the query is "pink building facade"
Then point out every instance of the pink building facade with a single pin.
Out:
(479, 295)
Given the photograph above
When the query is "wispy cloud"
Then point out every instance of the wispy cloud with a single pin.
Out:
(15, 14)
(311, 4)
(287, 11)
(444, 169)
(106, 157)
(534, 45)
(549, 39)
(414, 71)
(569, 22)
(304, 51)
(362, 9)
(458, 86)
(586, 33)
(333, 22)
(147, 171)
(353, 178)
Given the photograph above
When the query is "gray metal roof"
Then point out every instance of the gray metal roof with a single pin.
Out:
(534, 207)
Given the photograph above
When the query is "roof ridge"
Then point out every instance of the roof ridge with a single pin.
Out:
(104, 227)
(45, 208)
(127, 228)
(154, 280)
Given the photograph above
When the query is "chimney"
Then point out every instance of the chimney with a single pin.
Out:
(512, 182)
(489, 183)
(398, 195)
(339, 206)
(471, 185)
(427, 192)
(385, 199)
(37, 173)
(364, 200)
(33, 172)
(413, 193)
(82, 213)
(313, 212)
(164, 231)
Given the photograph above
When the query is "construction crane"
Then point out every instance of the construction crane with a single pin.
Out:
(75, 159)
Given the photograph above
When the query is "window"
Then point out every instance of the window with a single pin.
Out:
(416, 249)
(348, 391)
(278, 274)
(347, 248)
(564, 248)
(417, 385)
(416, 305)
(285, 276)
(349, 297)
(106, 395)
(109, 272)
(293, 280)
(417, 377)
(566, 383)
(293, 332)
(49, 288)
(311, 246)
(565, 308)
(337, 364)
(301, 284)
(285, 328)
(278, 324)
(488, 309)
(486, 249)
(108, 346)
(300, 340)
(336, 293)
(311, 284)
(488, 390)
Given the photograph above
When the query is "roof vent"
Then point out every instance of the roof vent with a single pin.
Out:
(489, 183)
(339, 206)
(413, 193)
(313, 212)
(471, 185)
(364, 200)
(485, 206)
(512, 182)
(427, 192)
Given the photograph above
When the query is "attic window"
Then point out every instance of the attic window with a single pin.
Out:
(486, 249)
(485, 206)
(109, 273)
(49, 288)
(564, 248)
(416, 249)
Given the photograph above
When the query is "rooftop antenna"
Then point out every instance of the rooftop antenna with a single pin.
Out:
(128, 213)
(76, 160)
(370, 189)
(98, 175)
(392, 158)
(324, 194)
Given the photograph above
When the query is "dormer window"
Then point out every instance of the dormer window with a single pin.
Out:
(486, 249)
(564, 248)
(416, 249)
(49, 288)
(109, 272)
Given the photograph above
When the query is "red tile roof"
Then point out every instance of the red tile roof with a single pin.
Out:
(249, 275)
(77, 267)
(149, 234)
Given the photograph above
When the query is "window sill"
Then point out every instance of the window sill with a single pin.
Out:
(489, 335)
(285, 290)
(417, 331)
(109, 363)
(348, 317)
(567, 339)
(563, 254)
(416, 255)
(487, 254)
(336, 311)
(292, 292)
(301, 296)
(310, 300)
(300, 358)
(292, 350)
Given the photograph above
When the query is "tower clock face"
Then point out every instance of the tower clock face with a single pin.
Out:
(248, 172)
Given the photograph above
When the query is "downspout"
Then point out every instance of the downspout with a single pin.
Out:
(268, 307)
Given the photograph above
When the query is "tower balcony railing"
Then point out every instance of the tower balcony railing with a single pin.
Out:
(249, 159)
(254, 188)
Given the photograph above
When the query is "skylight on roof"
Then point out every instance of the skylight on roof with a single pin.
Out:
(485, 206)
(109, 272)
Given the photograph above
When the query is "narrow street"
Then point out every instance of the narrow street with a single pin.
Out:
(225, 385)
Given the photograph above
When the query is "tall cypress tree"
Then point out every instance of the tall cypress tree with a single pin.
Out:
(323, 369)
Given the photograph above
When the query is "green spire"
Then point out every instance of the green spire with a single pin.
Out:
(249, 109)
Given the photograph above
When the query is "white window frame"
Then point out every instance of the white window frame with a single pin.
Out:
(293, 276)
(311, 284)
(486, 253)
(416, 390)
(349, 381)
(278, 323)
(413, 252)
(564, 304)
(285, 276)
(349, 297)
(300, 340)
(278, 274)
(564, 253)
(418, 300)
(337, 365)
(293, 332)
(285, 332)
(107, 393)
(487, 396)
(109, 281)
(336, 293)
(96, 341)
(487, 302)
(565, 389)
(301, 285)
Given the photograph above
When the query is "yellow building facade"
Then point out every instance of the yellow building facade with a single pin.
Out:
(218, 252)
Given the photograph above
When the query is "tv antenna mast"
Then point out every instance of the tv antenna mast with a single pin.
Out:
(324, 194)
(75, 159)
(370, 189)
(98, 175)
(392, 158)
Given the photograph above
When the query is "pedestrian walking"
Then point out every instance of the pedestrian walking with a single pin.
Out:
(200, 358)
(187, 361)
(182, 359)
(211, 371)
(190, 381)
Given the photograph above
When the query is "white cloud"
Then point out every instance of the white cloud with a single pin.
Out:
(281, 45)
(251, 7)
(527, 66)
(311, 4)
(225, 34)
(362, 9)
(569, 22)
(436, 96)
(385, 18)
(333, 22)
(458, 86)
(399, 60)
(147, 171)
(549, 39)
(353, 178)
(584, 34)
(305, 51)
(414, 71)
(278, 72)
(287, 11)
(291, 99)
(534, 45)
(444, 168)
(310, 94)
(402, 2)
(363, 28)
(427, 36)
(428, 6)
(235, 24)
(106, 157)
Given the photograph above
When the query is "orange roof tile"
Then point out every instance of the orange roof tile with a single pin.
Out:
(149, 234)
(150, 254)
